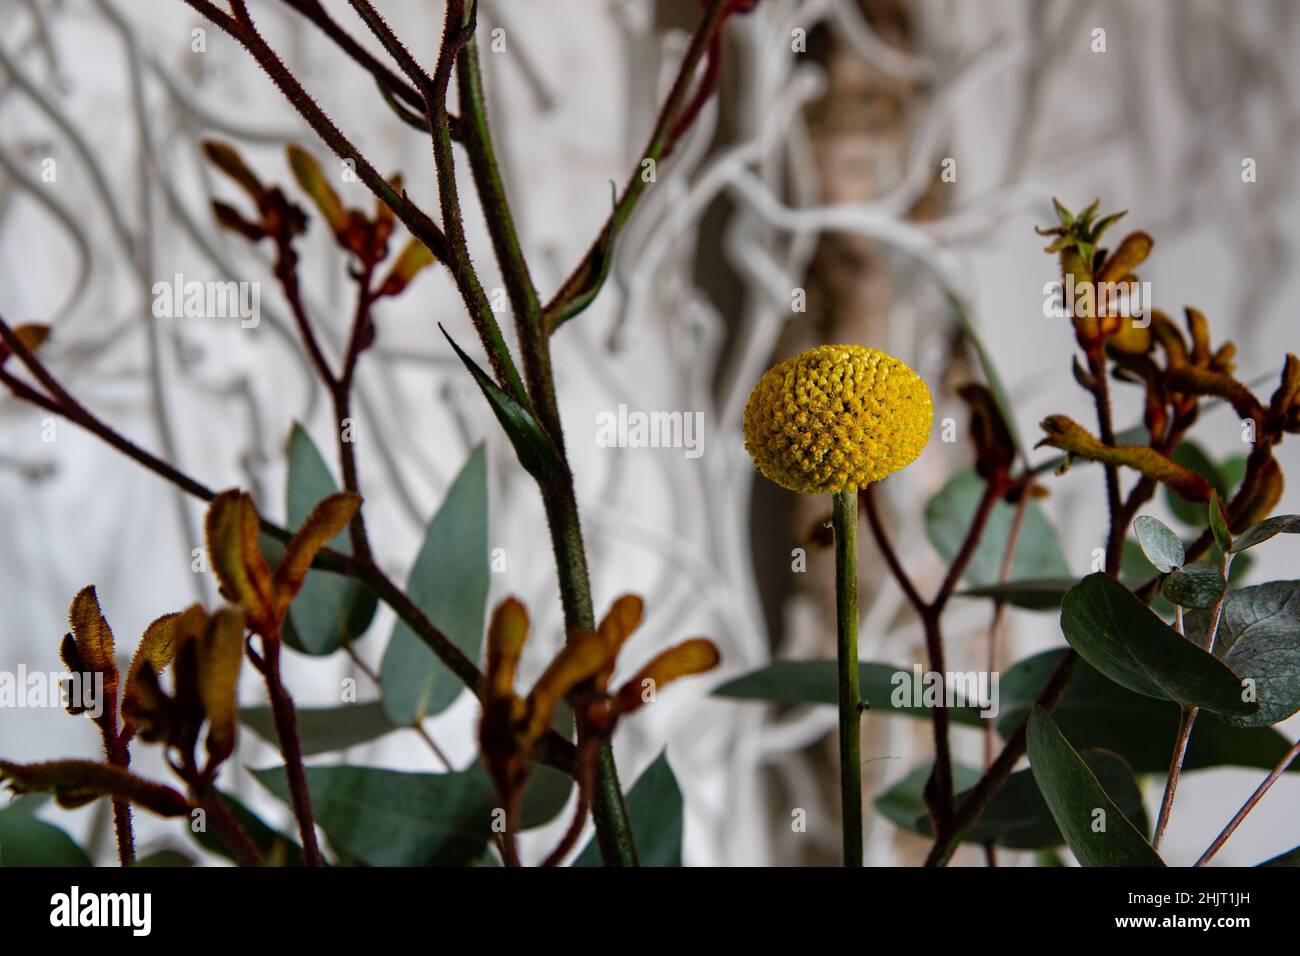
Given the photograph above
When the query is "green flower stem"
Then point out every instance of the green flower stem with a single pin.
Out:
(608, 809)
(845, 519)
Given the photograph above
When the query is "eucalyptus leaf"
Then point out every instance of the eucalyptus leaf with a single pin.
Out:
(325, 729)
(1268, 528)
(380, 817)
(1192, 456)
(384, 817)
(1196, 585)
(27, 840)
(817, 682)
(1017, 817)
(547, 792)
(330, 610)
(1097, 713)
(1259, 638)
(1135, 571)
(654, 805)
(1095, 829)
(903, 803)
(1120, 636)
(449, 582)
(1160, 545)
(1037, 594)
(948, 517)
(1233, 470)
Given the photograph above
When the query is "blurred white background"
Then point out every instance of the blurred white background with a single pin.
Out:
(814, 169)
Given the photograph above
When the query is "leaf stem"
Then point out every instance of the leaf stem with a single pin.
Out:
(844, 515)
(423, 734)
(1184, 735)
(1249, 805)
(1189, 713)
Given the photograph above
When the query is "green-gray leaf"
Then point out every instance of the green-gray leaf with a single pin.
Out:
(1094, 828)
(27, 840)
(449, 582)
(1195, 585)
(330, 609)
(387, 818)
(1017, 818)
(816, 682)
(1193, 457)
(1159, 543)
(1259, 638)
(1097, 713)
(654, 805)
(1120, 636)
(1261, 532)
(325, 729)
(380, 817)
(903, 803)
(1037, 594)
(948, 517)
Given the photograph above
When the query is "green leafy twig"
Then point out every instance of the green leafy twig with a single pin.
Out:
(578, 290)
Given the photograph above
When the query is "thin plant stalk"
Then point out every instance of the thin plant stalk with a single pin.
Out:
(1189, 714)
(845, 520)
(286, 729)
(939, 792)
(1249, 805)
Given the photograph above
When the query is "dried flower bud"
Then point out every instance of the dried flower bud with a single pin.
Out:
(1075, 440)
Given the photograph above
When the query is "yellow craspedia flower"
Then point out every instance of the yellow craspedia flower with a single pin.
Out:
(836, 417)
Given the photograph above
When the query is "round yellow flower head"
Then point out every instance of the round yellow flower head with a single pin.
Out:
(836, 417)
